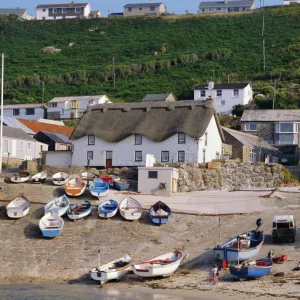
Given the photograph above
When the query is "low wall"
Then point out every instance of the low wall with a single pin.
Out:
(237, 176)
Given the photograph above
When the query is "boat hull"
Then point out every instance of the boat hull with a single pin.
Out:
(51, 232)
(130, 216)
(106, 212)
(60, 182)
(16, 213)
(19, 180)
(119, 186)
(99, 194)
(79, 216)
(74, 192)
(154, 215)
(79, 210)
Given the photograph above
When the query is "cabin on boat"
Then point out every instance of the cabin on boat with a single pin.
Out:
(121, 134)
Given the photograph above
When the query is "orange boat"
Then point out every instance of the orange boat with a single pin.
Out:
(75, 186)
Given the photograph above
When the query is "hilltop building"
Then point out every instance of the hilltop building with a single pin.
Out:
(225, 6)
(159, 97)
(20, 12)
(142, 9)
(25, 111)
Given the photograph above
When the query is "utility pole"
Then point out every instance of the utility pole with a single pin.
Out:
(1, 123)
(213, 78)
(114, 73)
(228, 78)
(43, 90)
(263, 40)
(274, 98)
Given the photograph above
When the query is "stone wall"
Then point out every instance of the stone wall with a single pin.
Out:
(237, 176)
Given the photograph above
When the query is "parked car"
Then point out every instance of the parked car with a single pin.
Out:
(284, 228)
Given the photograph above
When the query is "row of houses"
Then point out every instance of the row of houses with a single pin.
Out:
(226, 96)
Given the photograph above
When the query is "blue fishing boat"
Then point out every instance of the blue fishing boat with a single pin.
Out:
(99, 188)
(120, 184)
(51, 224)
(160, 213)
(253, 269)
(108, 208)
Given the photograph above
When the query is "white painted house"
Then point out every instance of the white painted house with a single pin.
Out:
(25, 111)
(225, 95)
(58, 11)
(291, 2)
(122, 134)
(72, 107)
(17, 144)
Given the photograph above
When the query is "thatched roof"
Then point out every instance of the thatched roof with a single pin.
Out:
(155, 120)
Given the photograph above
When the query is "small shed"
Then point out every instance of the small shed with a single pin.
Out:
(56, 141)
(157, 180)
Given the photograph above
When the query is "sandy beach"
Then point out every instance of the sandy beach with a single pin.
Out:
(26, 257)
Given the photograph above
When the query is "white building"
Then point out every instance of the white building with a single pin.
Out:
(209, 7)
(291, 2)
(122, 134)
(225, 95)
(143, 9)
(20, 12)
(25, 111)
(18, 145)
(62, 11)
(72, 107)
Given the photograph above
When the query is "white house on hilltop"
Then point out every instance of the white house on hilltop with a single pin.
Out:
(72, 107)
(225, 95)
(208, 7)
(62, 11)
(122, 134)
(25, 111)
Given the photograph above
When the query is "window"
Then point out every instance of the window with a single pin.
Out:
(223, 102)
(90, 155)
(181, 138)
(252, 156)
(6, 146)
(235, 92)
(29, 146)
(203, 10)
(202, 93)
(152, 8)
(54, 10)
(219, 93)
(286, 139)
(22, 146)
(218, 9)
(29, 111)
(217, 155)
(16, 112)
(129, 9)
(181, 156)
(286, 128)
(44, 9)
(63, 10)
(91, 140)
(205, 139)
(44, 18)
(138, 155)
(52, 104)
(138, 139)
(140, 8)
(74, 104)
(152, 174)
(251, 127)
(203, 155)
(164, 156)
(77, 10)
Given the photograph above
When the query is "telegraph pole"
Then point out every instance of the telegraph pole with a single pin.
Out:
(274, 97)
(43, 90)
(1, 123)
(114, 73)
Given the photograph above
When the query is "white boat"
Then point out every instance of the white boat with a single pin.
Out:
(18, 208)
(163, 265)
(51, 224)
(75, 186)
(39, 177)
(113, 270)
(20, 177)
(59, 205)
(130, 209)
(108, 208)
(87, 177)
(60, 178)
(79, 210)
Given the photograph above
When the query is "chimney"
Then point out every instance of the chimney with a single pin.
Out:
(209, 102)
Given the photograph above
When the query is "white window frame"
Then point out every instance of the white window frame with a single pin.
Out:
(44, 10)
(28, 146)
(236, 93)
(138, 139)
(21, 146)
(91, 140)
(54, 10)
(219, 93)
(138, 156)
(16, 110)
(180, 157)
(181, 138)
(152, 8)
(140, 8)
(90, 155)
(278, 127)
(222, 102)
(248, 127)
(252, 156)
(129, 9)
(77, 10)
(165, 154)
(29, 109)
(203, 93)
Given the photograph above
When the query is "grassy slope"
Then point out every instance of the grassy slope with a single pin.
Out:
(133, 41)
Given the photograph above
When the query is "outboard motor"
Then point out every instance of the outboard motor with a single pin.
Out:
(259, 222)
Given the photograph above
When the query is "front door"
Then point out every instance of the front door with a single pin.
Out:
(71, 115)
(108, 159)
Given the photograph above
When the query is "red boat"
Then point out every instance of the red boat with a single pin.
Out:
(106, 178)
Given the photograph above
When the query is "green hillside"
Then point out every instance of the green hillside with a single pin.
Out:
(152, 55)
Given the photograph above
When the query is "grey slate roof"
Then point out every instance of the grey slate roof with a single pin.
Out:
(13, 122)
(223, 86)
(143, 4)
(12, 11)
(69, 98)
(65, 5)
(16, 133)
(215, 4)
(57, 137)
(158, 97)
(249, 140)
(271, 115)
(34, 105)
(156, 120)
